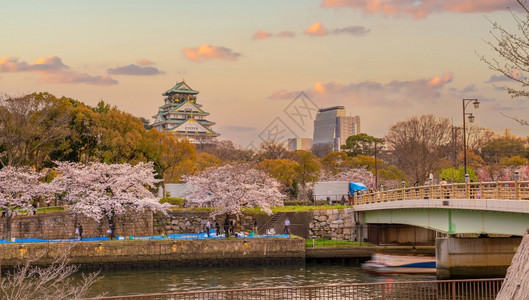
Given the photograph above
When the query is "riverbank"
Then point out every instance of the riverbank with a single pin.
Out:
(144, 254)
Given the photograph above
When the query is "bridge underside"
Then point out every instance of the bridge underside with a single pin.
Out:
(453, 221)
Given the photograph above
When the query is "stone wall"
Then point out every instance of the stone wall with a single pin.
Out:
(516, 285)
(195, 222)
(61, 225)
(337, 224)
(160, 253)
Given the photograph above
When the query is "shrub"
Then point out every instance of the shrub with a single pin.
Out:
(173, 201)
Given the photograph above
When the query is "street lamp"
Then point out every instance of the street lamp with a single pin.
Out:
(471, 118)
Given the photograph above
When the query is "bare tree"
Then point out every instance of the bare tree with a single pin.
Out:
(272, 149)
(30, 128)
(228, 152)
(418, 144)
(512, 50)
(54, 282)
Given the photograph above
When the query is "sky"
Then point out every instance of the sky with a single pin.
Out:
(264, 67)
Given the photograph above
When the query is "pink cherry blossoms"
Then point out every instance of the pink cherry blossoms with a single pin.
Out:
(99, 190)
(18, 187)
(231, 187)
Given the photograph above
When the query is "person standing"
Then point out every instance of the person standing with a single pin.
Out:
(80, 230)
(208, 227)
(287, 226)
(217, 227)
(112, 229)
(254, 226)
(226, 227)
(232, 227)
(77, 232)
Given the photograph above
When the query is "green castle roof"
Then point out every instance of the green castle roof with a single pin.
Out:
(180, 88)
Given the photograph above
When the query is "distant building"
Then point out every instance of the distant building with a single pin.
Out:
(299, 144)
(183, 115)
(332, 127)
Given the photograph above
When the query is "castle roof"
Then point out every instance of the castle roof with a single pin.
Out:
(180, 88)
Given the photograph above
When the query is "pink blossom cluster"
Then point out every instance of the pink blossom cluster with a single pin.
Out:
(231, 187)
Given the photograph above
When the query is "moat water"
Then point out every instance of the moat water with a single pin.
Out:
(114, 283)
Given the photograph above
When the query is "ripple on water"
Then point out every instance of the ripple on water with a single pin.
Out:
(199, 279)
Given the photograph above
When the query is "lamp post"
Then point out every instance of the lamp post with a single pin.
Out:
(466, 102)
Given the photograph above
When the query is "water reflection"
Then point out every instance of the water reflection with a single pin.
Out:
(198, 279)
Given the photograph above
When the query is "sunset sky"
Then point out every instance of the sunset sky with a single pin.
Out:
(384, 60)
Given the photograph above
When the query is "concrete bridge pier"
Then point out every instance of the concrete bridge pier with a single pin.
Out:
(474, 257)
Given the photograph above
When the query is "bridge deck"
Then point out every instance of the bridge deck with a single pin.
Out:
(488, 207)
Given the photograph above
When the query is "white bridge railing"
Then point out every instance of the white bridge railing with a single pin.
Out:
(500, 190)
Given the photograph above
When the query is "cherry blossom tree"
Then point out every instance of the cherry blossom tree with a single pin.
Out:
(231, 187)
(100, 191)
(17, 189)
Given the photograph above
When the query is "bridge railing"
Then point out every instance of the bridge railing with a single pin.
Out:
(507, 190)
(483, 289)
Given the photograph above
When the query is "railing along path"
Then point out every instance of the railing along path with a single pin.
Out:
(483, 289)
(500, 190)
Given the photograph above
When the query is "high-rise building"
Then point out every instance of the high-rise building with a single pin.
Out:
(332, 127)
(299, 144)
(183, 115)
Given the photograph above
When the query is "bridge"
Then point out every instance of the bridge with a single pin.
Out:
(497, 208)
(491, 210)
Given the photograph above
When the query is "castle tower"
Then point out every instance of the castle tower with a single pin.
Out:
(183, 115)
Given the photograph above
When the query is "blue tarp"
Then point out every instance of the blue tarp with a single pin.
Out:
(187, 236)
(356, 186)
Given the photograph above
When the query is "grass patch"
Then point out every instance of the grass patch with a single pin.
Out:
(321, 243)
(257, 210)
(300, 208)
(203, 209)
(50, 209)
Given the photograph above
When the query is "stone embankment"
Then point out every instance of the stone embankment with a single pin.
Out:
(335, 224)
(160, 253)
(61, 225)
(516, 284)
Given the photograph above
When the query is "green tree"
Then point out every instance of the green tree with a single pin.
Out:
(308, 171)
(172, 155)
(205, 160)
(361, 144)
(336, 162)
(284, 171)
(121, 137)
(457, 175)
(503, 146)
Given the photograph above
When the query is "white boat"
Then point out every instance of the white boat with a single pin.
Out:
(400, 264)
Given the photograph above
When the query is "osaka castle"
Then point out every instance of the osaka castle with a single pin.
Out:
(183, 115)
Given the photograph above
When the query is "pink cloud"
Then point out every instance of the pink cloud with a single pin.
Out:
(261, 35)
(286, 34)
(207, 52)
(52, 70)
(284, 94)
(419, 9)
(316, 29)
(436, 81)
(145, 62)
(394, 93)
